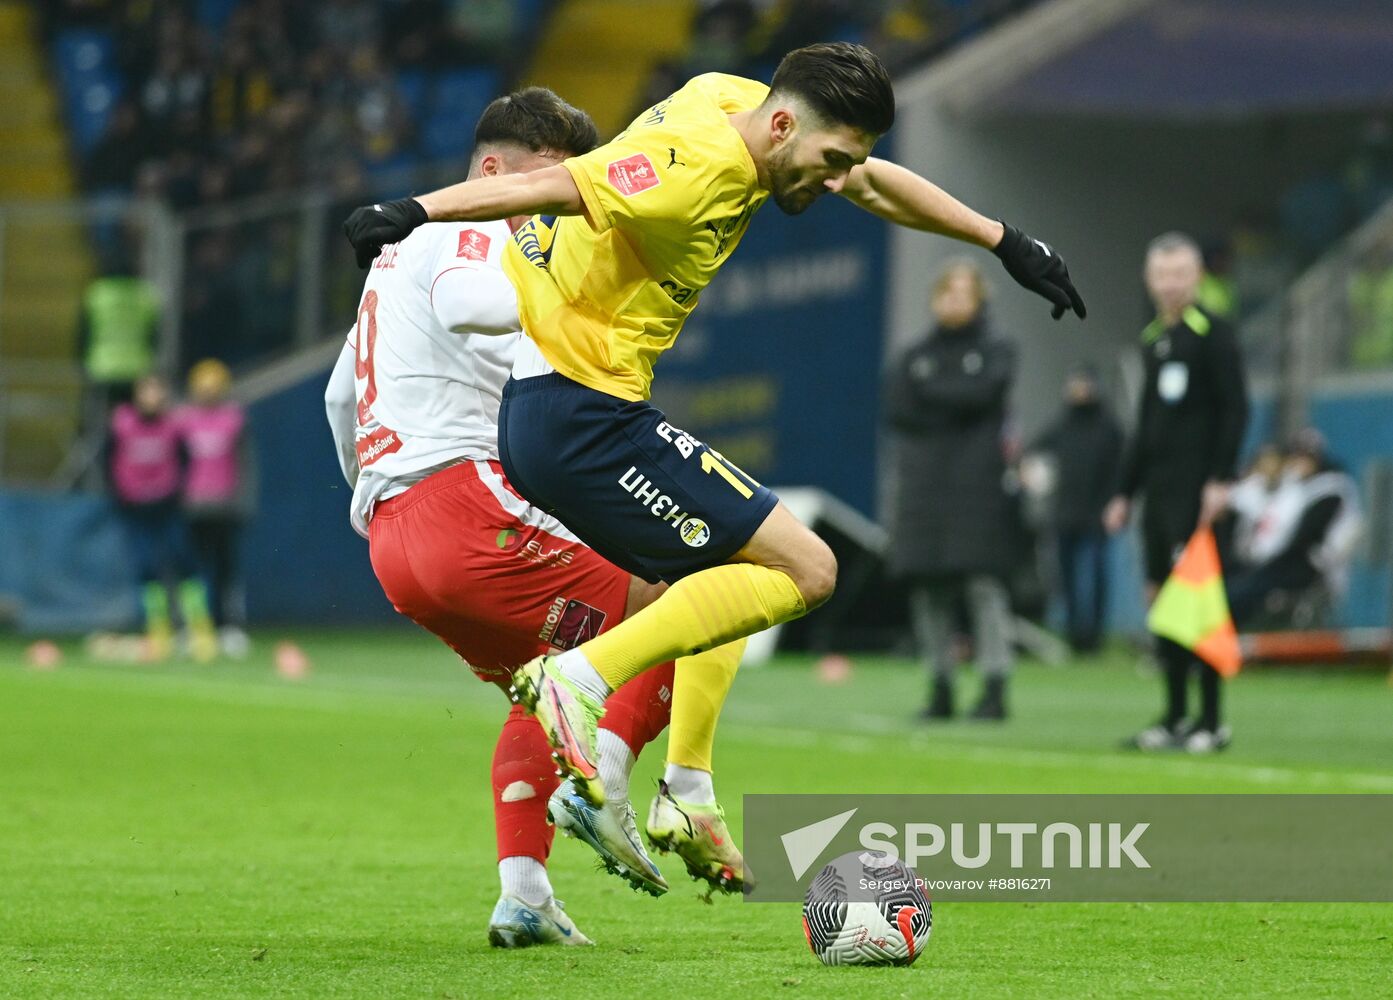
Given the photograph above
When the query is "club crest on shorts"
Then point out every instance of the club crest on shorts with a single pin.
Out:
(694, 532)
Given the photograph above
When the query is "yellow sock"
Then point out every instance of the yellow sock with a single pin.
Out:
(696, 613)
(699, 689)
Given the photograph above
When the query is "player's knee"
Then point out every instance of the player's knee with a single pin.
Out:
(816, 575)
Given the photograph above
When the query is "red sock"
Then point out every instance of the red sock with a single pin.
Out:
(641, 708)
(524, 777)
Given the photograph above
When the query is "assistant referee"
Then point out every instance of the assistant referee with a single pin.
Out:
(1180, 462)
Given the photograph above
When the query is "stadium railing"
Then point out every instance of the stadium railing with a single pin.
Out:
(247, 282)
(49, 252)
(1329, 364)
(1334, 321)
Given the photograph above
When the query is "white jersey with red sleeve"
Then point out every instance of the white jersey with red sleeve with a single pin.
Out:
(432, 347)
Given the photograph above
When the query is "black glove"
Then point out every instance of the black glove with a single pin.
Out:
(370, 228)
(1037, 267)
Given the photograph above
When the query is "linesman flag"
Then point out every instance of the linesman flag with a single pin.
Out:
(1192, 609)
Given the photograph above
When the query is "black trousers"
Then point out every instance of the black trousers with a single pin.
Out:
(215, 538)
(1169, 518)
(1248, 591)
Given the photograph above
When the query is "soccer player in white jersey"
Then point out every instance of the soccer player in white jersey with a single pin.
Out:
(413, 404)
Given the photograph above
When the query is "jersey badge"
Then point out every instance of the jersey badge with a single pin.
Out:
(633, 174)
(473, 245)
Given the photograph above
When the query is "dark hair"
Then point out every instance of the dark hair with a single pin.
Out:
(537, 119)
(843, 83)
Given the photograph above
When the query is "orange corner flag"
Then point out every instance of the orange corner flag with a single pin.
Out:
(1192, 608)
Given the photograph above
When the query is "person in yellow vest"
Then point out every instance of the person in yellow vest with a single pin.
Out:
(117, 330)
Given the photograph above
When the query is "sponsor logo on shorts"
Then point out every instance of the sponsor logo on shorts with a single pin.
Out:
(534, 550)
(570, 622)
(633, 174)
(663, 507)
(473, 245)
(678, 438)
(694, 532)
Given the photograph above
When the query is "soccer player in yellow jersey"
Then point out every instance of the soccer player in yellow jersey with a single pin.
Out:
(621, 242)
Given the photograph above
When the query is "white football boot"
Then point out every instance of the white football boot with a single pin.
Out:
(518, 924)
(612, 831)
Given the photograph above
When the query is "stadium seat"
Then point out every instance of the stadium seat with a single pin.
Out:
(91, 84)
(414, 86)
(460, 97)
(213, 14)
(527, 13)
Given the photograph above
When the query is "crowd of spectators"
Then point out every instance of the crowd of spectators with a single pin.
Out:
(749, 36)
(217, 101)
(220, 100)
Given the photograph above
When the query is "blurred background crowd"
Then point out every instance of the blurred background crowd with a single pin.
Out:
(197, 103)
(179, 170)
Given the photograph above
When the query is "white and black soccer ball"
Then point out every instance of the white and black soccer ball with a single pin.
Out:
(867, 909)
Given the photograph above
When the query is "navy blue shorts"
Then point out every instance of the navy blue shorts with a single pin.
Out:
(647, 496)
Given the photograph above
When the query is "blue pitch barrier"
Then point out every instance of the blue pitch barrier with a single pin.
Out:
(65, 568)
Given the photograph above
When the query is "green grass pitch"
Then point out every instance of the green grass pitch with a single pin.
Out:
(215, 831)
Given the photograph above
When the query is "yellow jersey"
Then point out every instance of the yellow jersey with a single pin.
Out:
(666, 202)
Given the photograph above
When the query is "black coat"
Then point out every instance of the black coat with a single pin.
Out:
(1086, 442)
(1192, 412)
(945, 404)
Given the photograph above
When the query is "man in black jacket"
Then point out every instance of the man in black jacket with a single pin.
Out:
(1086, 445)
(1193, 409)
(951, 519)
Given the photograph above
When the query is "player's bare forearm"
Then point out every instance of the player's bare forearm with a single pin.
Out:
(550, 191)
(901, 196)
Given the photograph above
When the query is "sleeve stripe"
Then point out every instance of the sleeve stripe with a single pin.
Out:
(436, 280)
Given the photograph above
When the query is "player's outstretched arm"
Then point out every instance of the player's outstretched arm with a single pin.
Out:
(903, 197)
(549, 191)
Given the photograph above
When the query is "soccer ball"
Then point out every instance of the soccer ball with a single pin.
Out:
(867, 909)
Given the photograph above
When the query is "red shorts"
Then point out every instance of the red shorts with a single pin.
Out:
(465, 557)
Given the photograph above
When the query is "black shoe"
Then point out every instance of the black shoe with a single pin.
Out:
(940, 700)
(992, 706)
